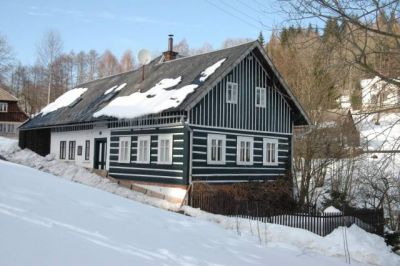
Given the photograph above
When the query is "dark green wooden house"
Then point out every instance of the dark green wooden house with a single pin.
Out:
(226, 116)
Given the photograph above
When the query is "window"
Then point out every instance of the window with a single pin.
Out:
(143, 150)
(87, 150)
(10, 128)
(3, 107)
(71, 150)
(63, 149)
(244, 151)
(270, 150)
(260, 97)
(124, 150)
(165, 149)
(216, 149)
(231, 92)
(79, 152)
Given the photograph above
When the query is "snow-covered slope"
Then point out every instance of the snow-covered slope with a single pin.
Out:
(46, 220)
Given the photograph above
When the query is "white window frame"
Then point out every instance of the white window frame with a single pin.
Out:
(168, 137)
(234, 88)
(265, 151)
(147, 156)
(263, 97)
(3, 107)
(217, 137)
(238, 150)
(126, 150)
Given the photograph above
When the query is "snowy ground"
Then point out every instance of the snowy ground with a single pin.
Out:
(46, 220)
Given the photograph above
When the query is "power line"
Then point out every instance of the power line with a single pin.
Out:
(233, 15)
(239, 11)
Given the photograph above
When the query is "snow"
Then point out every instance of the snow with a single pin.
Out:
(64, 100)
(371, 88)
(331, 209)
(155, 100)
(210, 70)
(110, 90)
(384, 136)
(100, 228)
(120, 87)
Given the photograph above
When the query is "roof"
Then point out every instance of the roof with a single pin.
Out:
(335, 117)
(189, 68)
(6, 96)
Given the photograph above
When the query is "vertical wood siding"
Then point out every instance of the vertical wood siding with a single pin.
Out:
(213, 111)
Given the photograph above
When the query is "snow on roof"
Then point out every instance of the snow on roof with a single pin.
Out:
(210, 70)
(332, 209)
(155, 100)
(64, 100)
(110, 90)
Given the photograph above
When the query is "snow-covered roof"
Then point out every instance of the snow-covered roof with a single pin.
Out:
(64, 100)
(112, 97)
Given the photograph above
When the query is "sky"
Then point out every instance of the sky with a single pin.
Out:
(122, 24)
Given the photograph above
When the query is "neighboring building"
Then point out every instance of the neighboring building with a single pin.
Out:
(377, 93)
(11, 116)
(221, 117)
(335, 135)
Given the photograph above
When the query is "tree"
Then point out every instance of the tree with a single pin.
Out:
(6, 58)
(48, 50)
(108, 65)
(230, 42)
(93, 58)
(261, 39)
(127, 61)
(81, 67)
(182, 47)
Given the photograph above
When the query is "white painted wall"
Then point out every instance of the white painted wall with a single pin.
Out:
(99, 131)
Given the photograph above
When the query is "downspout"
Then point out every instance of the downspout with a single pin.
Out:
(189, 190)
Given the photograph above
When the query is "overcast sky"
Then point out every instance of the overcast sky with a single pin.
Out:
(122, 24)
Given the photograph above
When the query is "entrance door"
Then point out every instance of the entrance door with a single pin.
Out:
(100, 153)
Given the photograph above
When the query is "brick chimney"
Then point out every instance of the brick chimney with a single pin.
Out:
(170, 54)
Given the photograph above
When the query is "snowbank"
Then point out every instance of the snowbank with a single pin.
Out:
(64, 100)
(331, 209)
(10, 150)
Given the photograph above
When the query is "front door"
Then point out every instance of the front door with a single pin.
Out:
(100, 153)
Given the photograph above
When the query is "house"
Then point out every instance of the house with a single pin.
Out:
(221, 117)
(11, 116)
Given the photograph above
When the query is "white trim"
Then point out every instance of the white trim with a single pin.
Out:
(233, 168)
(146, 138)
(245, 140)
(243, 132)
(156, 176)
(234, 90)
(217, 137)
(169, 138)
(244, 174)
(127, 150)
(148, 169)
(3, 107)
(275, 157)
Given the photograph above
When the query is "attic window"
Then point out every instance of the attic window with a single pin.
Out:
(260, 97)
(231, 92)
(3, 107)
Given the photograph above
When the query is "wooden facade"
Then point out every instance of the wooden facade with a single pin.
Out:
(11, 116)
(237, 128)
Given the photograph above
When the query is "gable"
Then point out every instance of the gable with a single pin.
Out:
(248, 77)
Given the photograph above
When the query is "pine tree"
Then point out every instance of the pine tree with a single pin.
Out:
(261, 39)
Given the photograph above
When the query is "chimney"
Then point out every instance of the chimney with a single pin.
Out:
(170, 54)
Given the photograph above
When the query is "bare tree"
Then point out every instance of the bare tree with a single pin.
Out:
(48, 50)
(127, 61)
(6, 58)
(92, 60)
(108, 65)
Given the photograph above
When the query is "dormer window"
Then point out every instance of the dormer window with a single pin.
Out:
(260, 97)
(3, 107)
(231, 92)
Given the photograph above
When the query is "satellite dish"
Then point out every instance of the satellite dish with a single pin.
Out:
(144, 57)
